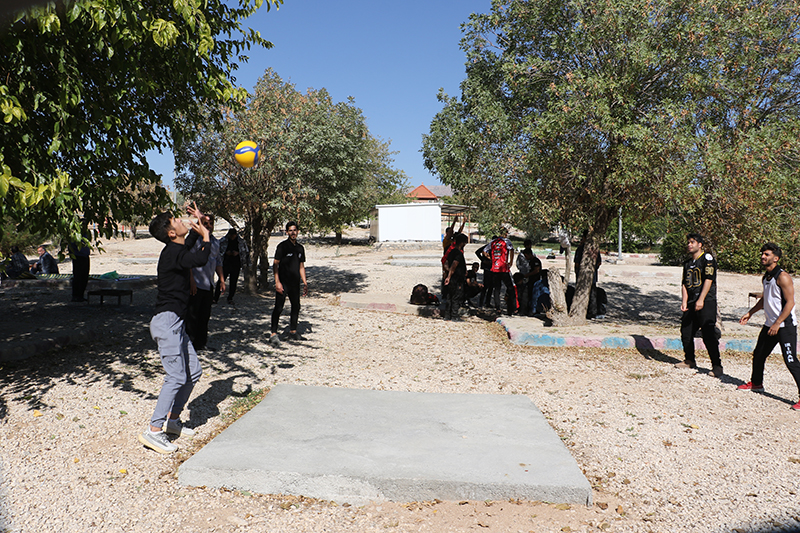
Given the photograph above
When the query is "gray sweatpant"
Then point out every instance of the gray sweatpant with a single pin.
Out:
(180, 364)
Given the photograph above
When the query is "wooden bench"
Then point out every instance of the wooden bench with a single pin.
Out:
(102, 293)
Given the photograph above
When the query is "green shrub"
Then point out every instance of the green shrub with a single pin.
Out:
(16, 235)
(739, 256)
(673, 247)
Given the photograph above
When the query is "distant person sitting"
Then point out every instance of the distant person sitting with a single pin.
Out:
(19, 264)
(473, 288)
(46, 263)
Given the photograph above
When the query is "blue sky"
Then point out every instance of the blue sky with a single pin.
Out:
(391, 56)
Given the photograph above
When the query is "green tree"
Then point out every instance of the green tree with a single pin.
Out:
(382, 184)
(318, 163)
(572, 109)
(87, 87)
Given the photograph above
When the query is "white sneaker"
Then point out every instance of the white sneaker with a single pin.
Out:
(175, 427)
(157, 441)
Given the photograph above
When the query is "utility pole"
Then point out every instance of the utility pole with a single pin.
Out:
(619, 239)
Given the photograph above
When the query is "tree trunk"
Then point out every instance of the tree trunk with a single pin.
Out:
(576, 316)
(568, 261)
(256, 221)
(583, 285)
(338, 238)
(263, 260)
(557, 295)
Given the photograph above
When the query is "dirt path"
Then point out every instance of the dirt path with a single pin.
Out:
(665, 450)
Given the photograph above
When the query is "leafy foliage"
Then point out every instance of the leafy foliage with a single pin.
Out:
(573, 108)
(87, 87)
(319, 166)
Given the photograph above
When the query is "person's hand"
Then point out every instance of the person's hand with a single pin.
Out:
(774, 329)
(684, 307)
(745, 318)
(305, 289)
(698, 305)
(447, 280)
(200, 229)
(222, 286)
(279, 287)
(193, 211)
(192, 286)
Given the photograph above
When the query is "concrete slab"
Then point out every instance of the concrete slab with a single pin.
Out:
(356, 446)
(532, 332)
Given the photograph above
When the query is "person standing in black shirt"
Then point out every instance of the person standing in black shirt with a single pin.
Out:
(235, 256)
(289, 270)
(699, 304)
(79, 252)
(178, 357)
(456, 278)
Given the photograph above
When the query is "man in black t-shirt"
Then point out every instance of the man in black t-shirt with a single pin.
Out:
(699, 304)
(456, 278)
(289, 270)
(178, 356)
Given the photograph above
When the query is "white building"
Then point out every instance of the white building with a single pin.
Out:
(413, 222)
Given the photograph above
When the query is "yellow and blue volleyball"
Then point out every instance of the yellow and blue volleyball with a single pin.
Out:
(246, 153)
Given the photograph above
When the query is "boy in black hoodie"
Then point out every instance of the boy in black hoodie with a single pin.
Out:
(167, 326)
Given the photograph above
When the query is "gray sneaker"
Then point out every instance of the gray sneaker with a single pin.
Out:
(157, 441)
(274, 340)
(176, 427)
(716, 371)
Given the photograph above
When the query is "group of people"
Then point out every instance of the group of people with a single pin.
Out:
(699, 308)
(191, 257)
(185, 278)
(526, 292)
(21, 267)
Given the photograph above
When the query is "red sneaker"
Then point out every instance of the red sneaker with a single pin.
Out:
(755, 388)
(796, 406)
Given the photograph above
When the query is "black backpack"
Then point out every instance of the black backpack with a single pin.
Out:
(419, 295)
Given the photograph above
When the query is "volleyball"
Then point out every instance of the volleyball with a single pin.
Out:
(246, 153)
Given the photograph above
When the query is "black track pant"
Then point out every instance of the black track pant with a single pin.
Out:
(229, 268)
(292, 291)
(787, 337)
(704, 320)
(455, 296)
(500, 278)
(80, 276)
(197, 318)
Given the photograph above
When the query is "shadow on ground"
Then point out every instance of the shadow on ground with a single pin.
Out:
(114, 345)
(325, 280)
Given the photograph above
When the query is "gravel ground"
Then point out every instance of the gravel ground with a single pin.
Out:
(665, 450)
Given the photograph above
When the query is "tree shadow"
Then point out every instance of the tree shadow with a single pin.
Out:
(330, 280)
(628, 304)
(121, 352)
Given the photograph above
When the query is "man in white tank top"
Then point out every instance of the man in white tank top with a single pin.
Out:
(780, 325)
